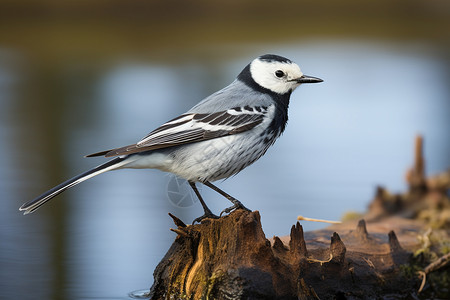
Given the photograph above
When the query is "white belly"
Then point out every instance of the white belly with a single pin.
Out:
(217, 158)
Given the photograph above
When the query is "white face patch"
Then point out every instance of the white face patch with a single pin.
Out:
(275, 76)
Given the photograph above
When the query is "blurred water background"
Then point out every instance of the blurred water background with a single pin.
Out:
(78, 77)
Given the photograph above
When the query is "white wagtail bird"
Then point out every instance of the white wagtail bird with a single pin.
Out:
(215, 139)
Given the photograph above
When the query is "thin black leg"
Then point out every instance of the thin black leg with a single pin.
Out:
(236, 203)
(208, 213)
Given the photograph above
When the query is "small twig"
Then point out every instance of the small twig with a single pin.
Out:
(424, 280)
(436, 265)
(180, 232)
(300, 218)
(369, 262)
(439, 263)
(321, 261)
(177, 221)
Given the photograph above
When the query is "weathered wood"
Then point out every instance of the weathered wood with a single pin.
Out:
(223, 258)
(230, 257)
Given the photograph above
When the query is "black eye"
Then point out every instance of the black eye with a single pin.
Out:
(279, 73)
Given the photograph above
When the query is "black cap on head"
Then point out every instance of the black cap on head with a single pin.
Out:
(273, 57)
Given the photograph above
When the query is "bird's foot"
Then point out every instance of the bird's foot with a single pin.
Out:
(206, 215)
(237, 205)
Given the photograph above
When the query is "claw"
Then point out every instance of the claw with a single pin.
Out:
(237, 205)
(205, 216)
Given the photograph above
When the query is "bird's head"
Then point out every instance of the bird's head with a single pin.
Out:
(278, 74)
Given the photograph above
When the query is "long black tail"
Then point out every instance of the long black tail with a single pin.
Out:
(34, 204)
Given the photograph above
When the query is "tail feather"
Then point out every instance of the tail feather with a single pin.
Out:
(36, 203)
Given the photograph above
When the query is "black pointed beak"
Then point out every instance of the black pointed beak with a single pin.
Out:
(308, 79)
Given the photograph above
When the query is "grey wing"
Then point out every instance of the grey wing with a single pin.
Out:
(237, 94)
(195, 127)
